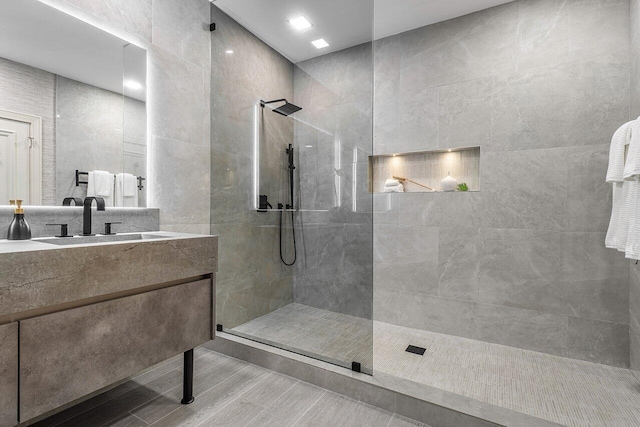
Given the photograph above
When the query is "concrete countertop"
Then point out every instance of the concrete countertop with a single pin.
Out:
(39, 244)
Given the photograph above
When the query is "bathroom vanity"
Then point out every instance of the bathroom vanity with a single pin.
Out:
(78, 315)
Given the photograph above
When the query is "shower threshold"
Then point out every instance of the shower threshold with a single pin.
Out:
(553, 388)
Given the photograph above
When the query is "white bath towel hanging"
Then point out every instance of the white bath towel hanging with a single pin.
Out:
(632, 247)
(632, 179)
(126, 190)
(101, 184)
(617, 232)
(625, 195)
(615, 172)
(632, 164)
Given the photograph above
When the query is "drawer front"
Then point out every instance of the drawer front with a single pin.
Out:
(9, 375)
(67, 355)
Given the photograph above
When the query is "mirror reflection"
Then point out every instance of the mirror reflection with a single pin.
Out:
(72, 110)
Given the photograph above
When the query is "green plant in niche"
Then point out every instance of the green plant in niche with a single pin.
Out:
(463, 187)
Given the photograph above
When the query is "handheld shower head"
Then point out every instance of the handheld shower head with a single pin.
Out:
(285, 110)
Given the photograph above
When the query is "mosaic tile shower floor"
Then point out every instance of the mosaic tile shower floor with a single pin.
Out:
(558, 389)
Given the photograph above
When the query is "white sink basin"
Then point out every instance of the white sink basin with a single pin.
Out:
(81, 240)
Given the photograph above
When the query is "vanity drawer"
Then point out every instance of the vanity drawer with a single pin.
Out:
(9, 375)
(67, 355)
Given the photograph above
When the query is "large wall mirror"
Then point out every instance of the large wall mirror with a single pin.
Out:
(73, 118)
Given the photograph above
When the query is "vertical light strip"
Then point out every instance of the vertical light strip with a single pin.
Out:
(256, 156)
(354, 187)
(337, 146)
(152, 202)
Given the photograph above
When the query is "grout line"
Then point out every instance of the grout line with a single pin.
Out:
(235, 399)
(135, 416)
(309, 408)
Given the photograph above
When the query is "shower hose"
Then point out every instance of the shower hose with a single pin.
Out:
(293, 230)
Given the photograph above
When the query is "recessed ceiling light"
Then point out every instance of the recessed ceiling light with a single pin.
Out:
(309, 146)
(320, 43)
(229, 51)
(132, 84)
(300, 23)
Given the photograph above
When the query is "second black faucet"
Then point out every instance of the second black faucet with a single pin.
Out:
(86, 215)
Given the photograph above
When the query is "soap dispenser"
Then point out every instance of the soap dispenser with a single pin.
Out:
(19, 228)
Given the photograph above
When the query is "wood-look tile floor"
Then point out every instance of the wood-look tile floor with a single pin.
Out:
(566, 391)
(229, 392)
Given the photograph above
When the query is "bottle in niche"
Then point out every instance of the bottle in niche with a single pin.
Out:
(19, 228)
(449, 183)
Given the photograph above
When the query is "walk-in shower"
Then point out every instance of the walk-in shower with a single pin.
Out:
(499, 273)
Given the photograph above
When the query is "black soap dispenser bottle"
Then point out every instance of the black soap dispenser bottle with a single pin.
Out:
(19, 228)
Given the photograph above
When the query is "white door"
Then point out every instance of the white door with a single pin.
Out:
(20, 164)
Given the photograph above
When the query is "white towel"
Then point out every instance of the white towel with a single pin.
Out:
(630, 209)
(632, 246)
(632, 165)
(100, 184)
(624, 199)
(126, 190)
(615, 172)
(397, 189)
(391, 182)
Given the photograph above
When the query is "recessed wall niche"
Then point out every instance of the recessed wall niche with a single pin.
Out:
(419, 170)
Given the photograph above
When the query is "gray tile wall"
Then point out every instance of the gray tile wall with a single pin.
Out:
(635, 58)
(177, 40)
(634, 300)
(540, 85)
(32, 91)
(335, 225)
(251, 281)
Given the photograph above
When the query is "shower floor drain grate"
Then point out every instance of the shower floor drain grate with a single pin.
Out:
(416, 350)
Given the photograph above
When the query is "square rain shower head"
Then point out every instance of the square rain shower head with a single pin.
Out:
(287, 109)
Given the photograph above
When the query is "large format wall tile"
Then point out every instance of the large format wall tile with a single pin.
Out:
(406, 258)
(570, 104)
(552, 32)
(524, 189)
(595, 341)
(459, 255)
(540, 86)
(464, 119)
(635, 59)
(634, 303)
(177, 99)
(181, 27)
(183, 176)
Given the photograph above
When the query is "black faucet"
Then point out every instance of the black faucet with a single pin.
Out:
(86, 215)
(76, 201)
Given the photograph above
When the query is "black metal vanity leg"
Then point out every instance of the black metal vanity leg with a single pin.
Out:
(187, 385)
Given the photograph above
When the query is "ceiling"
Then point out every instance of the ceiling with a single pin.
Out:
(342, 23)
(43, 37)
